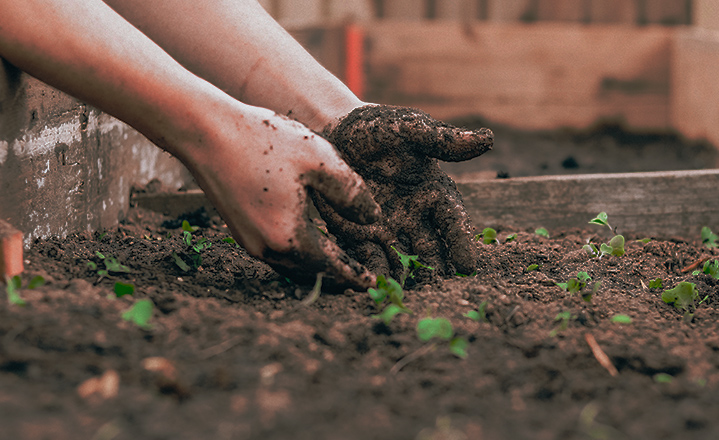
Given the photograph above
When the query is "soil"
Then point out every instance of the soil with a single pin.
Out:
(233, 351)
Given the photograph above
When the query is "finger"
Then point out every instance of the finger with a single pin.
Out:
(315, 253)
(345, 191)
(428, 246)
(453, 221)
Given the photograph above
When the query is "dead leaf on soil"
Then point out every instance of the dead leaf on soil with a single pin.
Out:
(599, 354)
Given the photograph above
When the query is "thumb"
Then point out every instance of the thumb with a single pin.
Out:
(345, 191)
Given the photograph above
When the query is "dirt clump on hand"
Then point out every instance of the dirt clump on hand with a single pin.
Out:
(396, 151)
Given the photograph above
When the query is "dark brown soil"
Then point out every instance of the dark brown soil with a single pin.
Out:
(241, 357)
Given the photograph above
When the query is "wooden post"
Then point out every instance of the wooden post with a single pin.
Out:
(11, 262)
(354, 59)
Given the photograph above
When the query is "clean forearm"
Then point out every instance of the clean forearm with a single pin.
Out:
(237, 46)
(87, 50)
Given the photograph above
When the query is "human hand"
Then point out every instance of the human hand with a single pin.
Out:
(395, 150)
(257, 169)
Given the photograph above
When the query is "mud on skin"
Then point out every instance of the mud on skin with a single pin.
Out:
(395, 150)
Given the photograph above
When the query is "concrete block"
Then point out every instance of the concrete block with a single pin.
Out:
(66, 167)
(695, 89)
(11, 261)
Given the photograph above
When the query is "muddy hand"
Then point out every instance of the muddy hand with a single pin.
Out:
(395, 150)
(258, 170)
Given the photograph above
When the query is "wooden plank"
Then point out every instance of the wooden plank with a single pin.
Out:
(663, 203)
(174, 204)
(653, 203)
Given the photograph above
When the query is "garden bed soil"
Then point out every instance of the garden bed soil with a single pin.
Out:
(232, 352)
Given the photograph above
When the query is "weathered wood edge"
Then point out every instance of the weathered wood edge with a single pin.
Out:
(663, 203)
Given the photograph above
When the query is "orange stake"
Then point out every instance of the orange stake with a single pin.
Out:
(354, 59)
(11, 263)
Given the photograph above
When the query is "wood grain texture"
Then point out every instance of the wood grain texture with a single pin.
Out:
(653, 203)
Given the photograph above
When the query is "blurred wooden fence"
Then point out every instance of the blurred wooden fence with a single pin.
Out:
(293, 13)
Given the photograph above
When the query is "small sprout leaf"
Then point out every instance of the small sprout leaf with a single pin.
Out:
(140, 313)
(663, 378)
(510, 237)
(101, 256)
(180, 262)
(489, 236)
(92, 265)
(600, 219)
(617, 245)
(682, 296)
(621, 319)
(428, 328)
(122, 289)
(187, 228)
(36, 282)
(656, 283)
(13, 291)
(542, 232)
(473, 315)
(229, 240)
(389, 313)
(458, 347)
(532, 267)
(709, 238)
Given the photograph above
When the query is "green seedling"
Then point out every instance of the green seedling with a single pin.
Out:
(542, 232)
(466, 275)
(663, 378)
(409, 263)
(122, 289)
(440, 328)
(621, 319)
(195, 248)
(684, 297)
(710, 268)
(562, 319)
(615, 247)
(389, 312)
(140, 313)
(510, 237)
(14, 285)
(577, 285)
(388, 290)
(188, 228)
(532, 267)
(601, 219)
(488, 236)
(111, 265)
(479, 315)
(656, 283)
(644, 240)
(709, 238)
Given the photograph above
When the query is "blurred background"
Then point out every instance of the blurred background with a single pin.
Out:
(570, 85)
